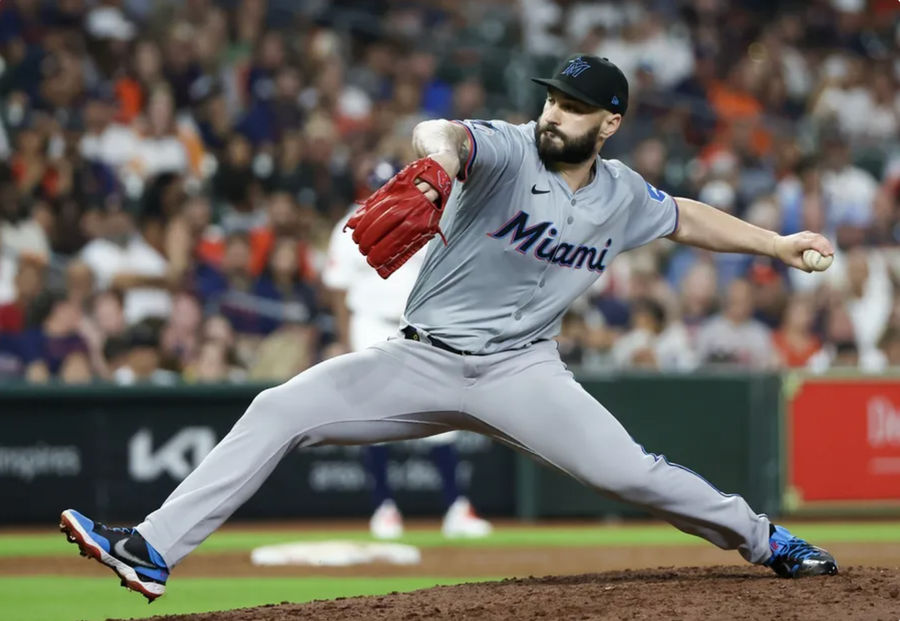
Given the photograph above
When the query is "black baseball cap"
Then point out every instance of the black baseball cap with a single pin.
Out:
(593, 80)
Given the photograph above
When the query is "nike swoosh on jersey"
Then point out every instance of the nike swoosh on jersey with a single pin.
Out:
(120, 550)
(534, 190)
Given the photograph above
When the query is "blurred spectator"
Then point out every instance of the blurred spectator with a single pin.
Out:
(217, 328)
(801, 198)
(469, 100)
(234, 186)
(29, 282)
(840, 349)
(698, 295)
(869, 296)
(214, 123)
(294, 300)
(180, 337)
(846, 355)
(105, 142)
(282, 221)
(273, 115)
(122, 259)
(795, 340)
(728, 266)
(104, 322)
(20, 232)
(213, 364)
(650, 43)
(733, 336)
(890, 348)
(860, 100)
(54, 347)
(79, 283)
(108, 313)
(849, 193)
(650, 161)
(572, 339)
(8, 269)
(332, 187)
(650, 343)
(138, 360)
(769, 294)
(214, 284)
(283, 354)
(158, 148)
(885, 229)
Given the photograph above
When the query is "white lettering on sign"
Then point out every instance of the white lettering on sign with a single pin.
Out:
(337, 476)
(884, 465)
(28, 462)
(414, 475)
(883, 423)
(178, 457)
(410, 475)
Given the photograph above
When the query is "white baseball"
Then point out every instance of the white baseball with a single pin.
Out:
(816, 261)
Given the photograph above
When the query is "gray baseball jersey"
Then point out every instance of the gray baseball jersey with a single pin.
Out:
(522, 246)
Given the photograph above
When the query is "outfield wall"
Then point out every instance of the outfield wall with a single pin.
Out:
(117, 452)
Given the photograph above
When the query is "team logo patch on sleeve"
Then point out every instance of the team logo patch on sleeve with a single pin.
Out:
(657, 195)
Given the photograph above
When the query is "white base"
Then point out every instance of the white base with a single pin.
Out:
(335, 554)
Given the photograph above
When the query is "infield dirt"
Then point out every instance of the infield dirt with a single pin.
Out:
(665, 593)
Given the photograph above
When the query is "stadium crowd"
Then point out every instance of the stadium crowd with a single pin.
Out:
(170, 172)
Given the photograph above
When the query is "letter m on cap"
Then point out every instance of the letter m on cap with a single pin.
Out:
(576, 67)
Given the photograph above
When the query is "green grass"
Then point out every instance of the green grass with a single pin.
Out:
(54, 544)
(70, 599)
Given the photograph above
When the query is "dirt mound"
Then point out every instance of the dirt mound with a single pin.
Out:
(664, 593)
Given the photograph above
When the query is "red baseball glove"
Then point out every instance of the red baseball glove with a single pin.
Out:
(397, 220)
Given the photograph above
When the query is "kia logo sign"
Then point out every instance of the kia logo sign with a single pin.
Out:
(178, 457)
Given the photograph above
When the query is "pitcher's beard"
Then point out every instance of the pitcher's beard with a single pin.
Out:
(571, 151)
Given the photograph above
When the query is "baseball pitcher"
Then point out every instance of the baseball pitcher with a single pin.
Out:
(521, 219)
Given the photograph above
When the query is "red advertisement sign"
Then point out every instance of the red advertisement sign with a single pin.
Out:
(844, 440)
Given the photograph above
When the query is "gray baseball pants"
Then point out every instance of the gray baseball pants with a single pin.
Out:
(403, 389)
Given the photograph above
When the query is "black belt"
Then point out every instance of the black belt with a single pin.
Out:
(413, 335)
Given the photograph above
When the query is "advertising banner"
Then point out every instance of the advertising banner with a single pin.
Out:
(117, 454)
(844, 441)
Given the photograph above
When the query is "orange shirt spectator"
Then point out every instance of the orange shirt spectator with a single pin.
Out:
(795, 353)
(794, 341)
(211, 248)
(734, 105)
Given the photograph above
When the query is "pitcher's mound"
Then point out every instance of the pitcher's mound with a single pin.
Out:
(750, 593)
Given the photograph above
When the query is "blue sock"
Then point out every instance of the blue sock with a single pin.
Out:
(155, 556)
(376, 460)
(445, 459)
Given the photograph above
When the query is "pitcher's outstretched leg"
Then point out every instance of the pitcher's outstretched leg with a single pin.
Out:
(539, 407)
(370, 396)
